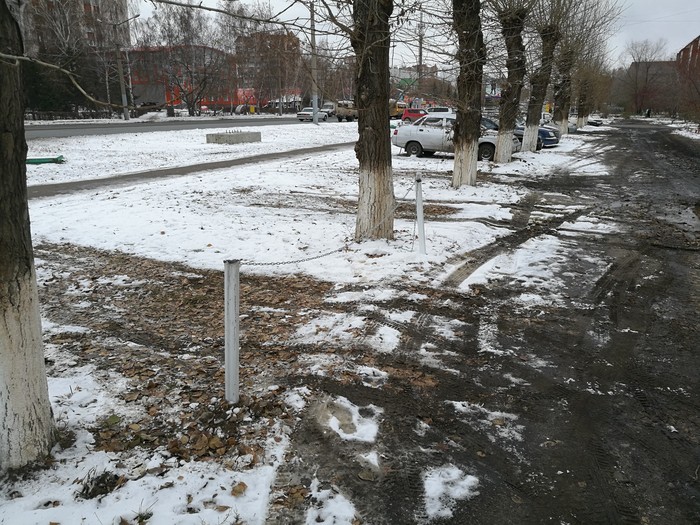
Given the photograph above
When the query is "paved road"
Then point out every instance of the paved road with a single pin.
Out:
(41, 131)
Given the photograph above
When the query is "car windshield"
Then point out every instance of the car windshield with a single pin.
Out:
(488, 123)
(435, 122)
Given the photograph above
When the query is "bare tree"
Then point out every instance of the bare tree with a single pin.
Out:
(592, 83)
(27, 430)
(511, 15)
(55, 32)
(471, 57)
(193, 64)
(589, 23)
(370, 39)
(548, 22)
(647, 77)
(367, 25)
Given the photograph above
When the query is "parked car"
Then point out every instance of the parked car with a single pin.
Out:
(329, 108)
(440, 109)
(548, 122)
(434, 133)
(308, 114)
(546, 136)
(413, 114)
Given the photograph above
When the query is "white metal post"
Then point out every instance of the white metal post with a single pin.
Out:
(419, 216)
(231, 319)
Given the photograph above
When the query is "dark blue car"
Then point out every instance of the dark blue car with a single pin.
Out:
(546, 137)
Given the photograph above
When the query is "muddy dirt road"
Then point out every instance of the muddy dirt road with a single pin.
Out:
(570, 404)
(583, 410)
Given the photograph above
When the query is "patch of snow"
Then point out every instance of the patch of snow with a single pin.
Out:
(444, 487)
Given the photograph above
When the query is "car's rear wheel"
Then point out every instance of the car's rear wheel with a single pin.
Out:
(487, 151)
(407, 120)
(325, 117)
(413, 148)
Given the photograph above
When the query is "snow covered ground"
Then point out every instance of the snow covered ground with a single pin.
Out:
(251, 213)
(297, 212)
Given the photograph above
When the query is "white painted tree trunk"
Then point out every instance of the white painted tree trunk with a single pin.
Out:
(563, 127)
(465, 168)
(375, 206)
(370, 41)
(530, 138)
(504, 146)
(26, 422)
(581, 121)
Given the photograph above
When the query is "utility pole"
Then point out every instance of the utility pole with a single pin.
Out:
(120, 69)
(120, 72)
(421, 36)
(314, 87)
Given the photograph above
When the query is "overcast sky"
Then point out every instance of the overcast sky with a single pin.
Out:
(675, 21)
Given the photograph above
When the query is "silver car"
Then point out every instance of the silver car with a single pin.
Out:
(435, 133)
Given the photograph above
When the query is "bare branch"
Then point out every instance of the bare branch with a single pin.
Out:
(16, 59)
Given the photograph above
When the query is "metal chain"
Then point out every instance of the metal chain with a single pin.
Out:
(296, 261)
(325, 254)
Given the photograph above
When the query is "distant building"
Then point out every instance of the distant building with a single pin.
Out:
(270, 63)
(688, 66)
(653, 86)
(179, 75)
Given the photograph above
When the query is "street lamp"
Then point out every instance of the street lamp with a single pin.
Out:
(120, 70)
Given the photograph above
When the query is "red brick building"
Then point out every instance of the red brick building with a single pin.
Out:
(688, 64)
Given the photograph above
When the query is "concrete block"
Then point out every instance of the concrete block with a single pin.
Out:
(235, 137)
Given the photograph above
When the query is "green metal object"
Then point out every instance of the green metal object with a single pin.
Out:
(47, 160)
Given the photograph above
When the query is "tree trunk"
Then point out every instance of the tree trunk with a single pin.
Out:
(370, 40)
(512, 25)
(26, 423)
(583, 107)
(562, 91)
(471, 56)
(466, 152)
(539, 83)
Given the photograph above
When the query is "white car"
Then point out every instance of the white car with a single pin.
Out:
(434, 133)
(308, 114)
(440, 109)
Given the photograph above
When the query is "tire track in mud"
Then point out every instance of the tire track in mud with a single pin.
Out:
(507, 244)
